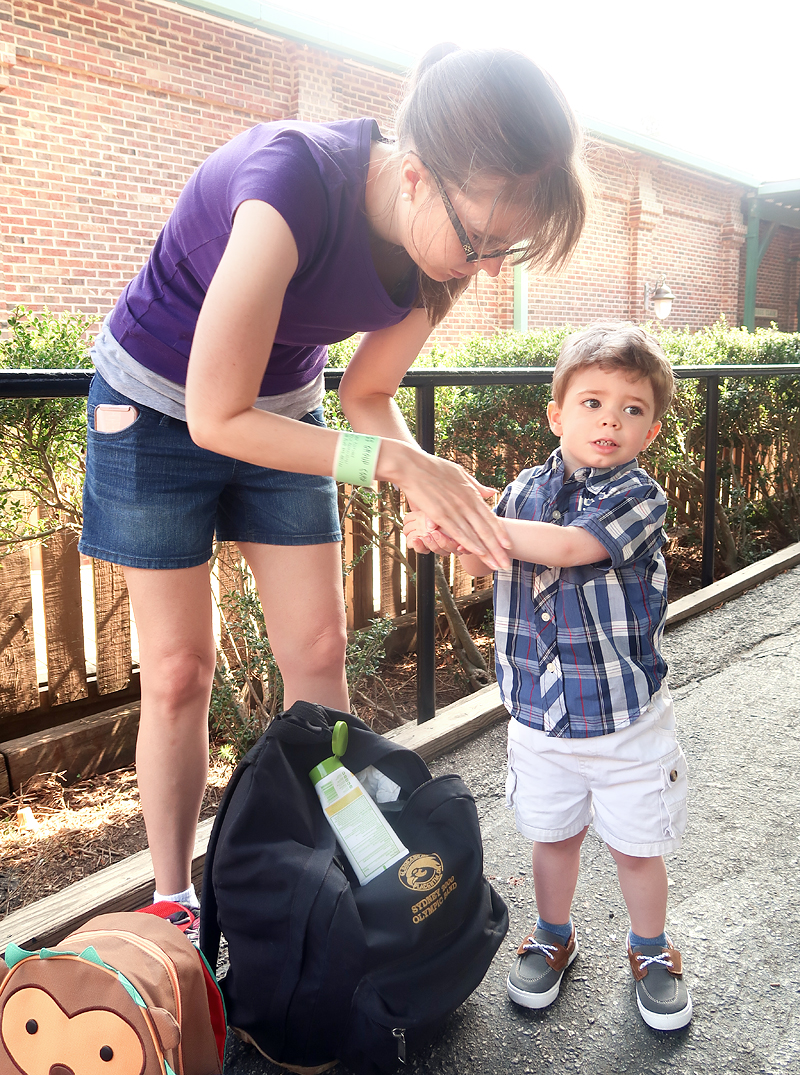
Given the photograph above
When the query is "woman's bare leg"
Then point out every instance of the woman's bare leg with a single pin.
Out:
(300, 587)
(177, 656)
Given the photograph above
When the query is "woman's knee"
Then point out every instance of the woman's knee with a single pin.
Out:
(180, 680)
(320, 651)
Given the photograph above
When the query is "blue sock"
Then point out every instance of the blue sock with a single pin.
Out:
(562, 932)
(637, 941)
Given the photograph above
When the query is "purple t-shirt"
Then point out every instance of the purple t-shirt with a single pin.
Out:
(315, 175)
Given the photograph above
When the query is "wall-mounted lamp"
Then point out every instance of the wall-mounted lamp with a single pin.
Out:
(659, 299)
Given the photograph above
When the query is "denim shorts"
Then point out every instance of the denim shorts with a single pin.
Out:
(153, 499)
(631, 784)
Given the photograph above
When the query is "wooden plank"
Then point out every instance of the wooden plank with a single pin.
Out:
(5, 783)
(19, 690)
(230, 572)
(112, 618)
(391, 603)
(733, 585)
(358, 584)
(125, 886)
(84, 747)
(453, 725)
(462, 581)
(63, 618)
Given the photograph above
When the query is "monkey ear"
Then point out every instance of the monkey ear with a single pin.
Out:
(169, 1033)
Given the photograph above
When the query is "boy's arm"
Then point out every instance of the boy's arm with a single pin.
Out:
(544, 543)
(534, 542)
(552, 545)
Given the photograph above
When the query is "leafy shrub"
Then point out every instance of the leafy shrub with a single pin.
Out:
(44, 440)
(248, 689)
(496, 431)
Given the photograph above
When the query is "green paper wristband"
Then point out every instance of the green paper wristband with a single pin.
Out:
(356, 458)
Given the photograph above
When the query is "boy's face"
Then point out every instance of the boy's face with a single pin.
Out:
(604, 419)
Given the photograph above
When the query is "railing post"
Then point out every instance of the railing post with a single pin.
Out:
(426, 580)
(710, 479)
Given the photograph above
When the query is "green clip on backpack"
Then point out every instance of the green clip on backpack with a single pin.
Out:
(126, 994)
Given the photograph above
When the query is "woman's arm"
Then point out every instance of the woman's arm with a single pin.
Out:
(442, 489)
(231, 348)
(370, 381)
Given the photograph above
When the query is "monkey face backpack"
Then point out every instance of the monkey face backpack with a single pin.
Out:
(126, 994)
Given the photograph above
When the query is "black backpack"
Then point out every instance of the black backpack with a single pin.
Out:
(321, 968)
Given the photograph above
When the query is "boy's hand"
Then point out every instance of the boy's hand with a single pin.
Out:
(423, 535)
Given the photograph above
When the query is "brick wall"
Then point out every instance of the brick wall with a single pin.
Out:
(650, 218)
(107, 107)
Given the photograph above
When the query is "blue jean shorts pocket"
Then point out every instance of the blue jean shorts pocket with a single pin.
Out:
(674, 790)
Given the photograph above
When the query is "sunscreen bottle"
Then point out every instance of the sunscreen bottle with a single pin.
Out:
(367, 839)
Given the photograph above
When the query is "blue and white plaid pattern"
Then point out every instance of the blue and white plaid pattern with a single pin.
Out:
(579, 649)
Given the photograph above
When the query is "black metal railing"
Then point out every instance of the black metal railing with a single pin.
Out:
(52, 384)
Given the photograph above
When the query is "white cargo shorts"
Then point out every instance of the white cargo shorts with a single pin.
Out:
(630, 784)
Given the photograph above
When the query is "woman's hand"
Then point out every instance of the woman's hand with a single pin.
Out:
(443, 490)
(423, 535)
(450, 499)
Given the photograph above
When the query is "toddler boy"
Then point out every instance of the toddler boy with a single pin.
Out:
(579, 618)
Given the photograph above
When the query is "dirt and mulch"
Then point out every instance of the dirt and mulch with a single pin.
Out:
(52, 835)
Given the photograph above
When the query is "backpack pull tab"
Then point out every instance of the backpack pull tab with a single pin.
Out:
(400, 1037)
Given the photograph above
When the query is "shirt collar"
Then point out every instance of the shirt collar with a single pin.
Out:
(594, 478)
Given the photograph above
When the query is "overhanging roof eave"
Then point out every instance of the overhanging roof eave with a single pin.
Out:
(306, 31)
(642, 143)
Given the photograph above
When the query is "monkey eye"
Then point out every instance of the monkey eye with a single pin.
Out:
(106, 1053)
(31, 1026)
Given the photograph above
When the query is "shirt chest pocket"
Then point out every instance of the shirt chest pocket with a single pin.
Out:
(584, 574)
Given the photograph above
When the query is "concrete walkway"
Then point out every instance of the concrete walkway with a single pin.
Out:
(734, 886)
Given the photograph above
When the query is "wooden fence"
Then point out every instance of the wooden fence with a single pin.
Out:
(47, 680)
(377, 583)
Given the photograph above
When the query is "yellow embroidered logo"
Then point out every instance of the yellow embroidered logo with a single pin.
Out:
(431, 903)
(421, 873)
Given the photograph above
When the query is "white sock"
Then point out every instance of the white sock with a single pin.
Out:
(188, 898)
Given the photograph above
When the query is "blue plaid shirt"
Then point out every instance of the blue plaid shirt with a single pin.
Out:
(579, 648)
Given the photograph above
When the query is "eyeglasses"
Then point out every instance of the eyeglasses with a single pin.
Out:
(472, 255)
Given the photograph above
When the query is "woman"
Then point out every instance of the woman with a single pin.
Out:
(290, 237)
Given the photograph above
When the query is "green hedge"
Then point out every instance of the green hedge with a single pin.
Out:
(498, 430)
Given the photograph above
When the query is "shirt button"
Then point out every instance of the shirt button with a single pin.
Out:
(551, 667)
(673, 775)
(545, 616)
(556, 515)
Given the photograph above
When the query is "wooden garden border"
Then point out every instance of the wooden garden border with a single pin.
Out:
(128, 884)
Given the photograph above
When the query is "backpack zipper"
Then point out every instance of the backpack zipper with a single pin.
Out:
(153, 950)
(399, 1036)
